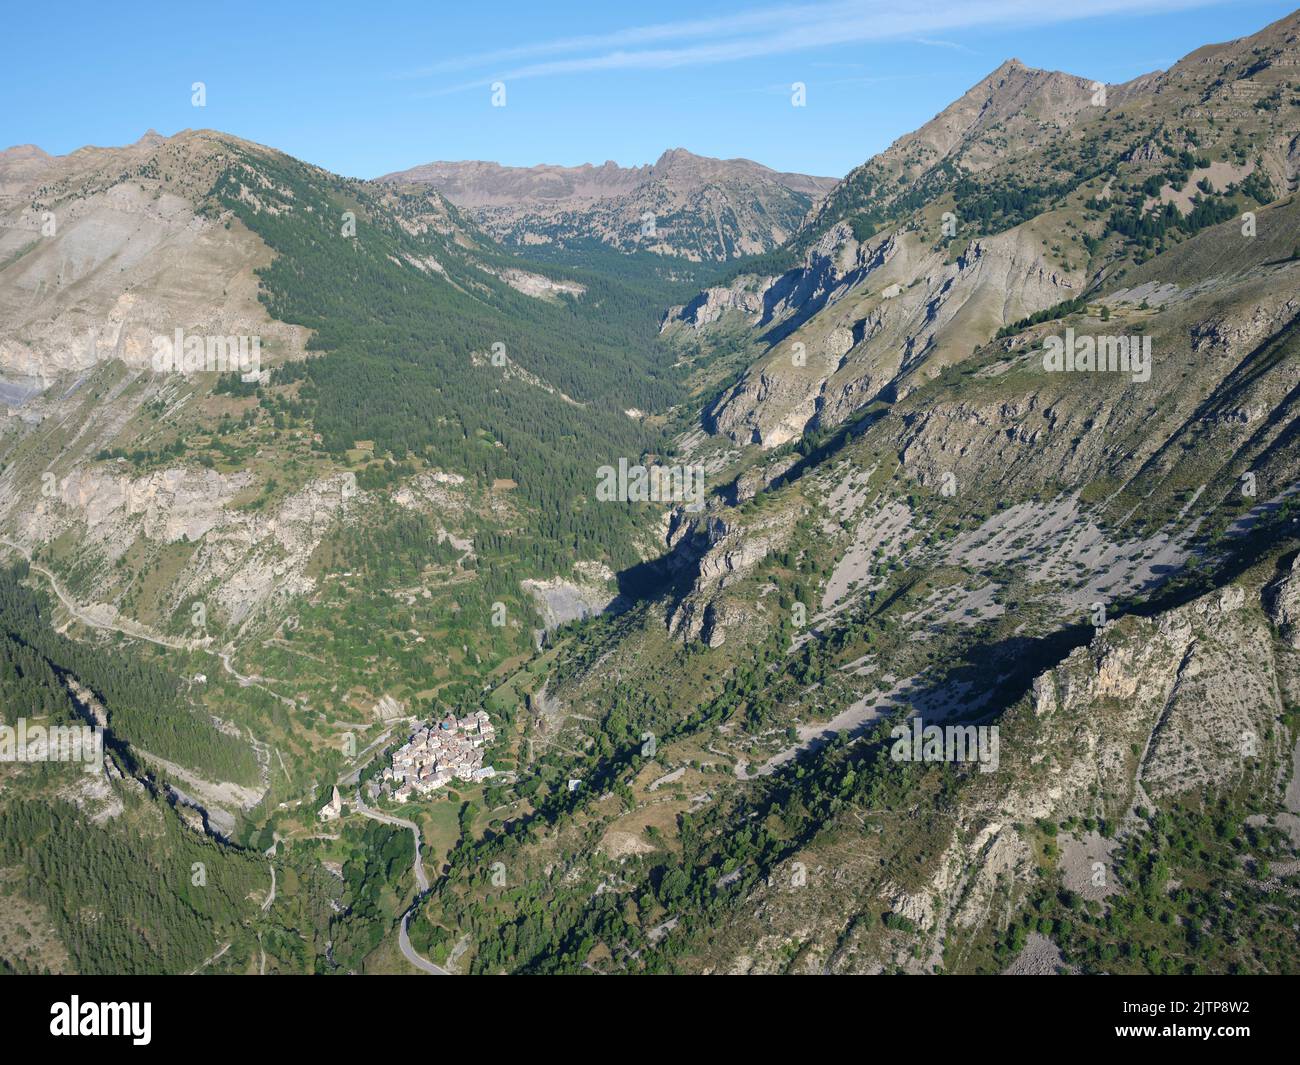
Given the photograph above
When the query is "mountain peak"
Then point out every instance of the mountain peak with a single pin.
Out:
(1014, 68)
(24, 151)
(678, 157)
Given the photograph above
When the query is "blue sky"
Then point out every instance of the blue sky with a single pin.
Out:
(364, 89)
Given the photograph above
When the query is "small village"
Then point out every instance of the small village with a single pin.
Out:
(436, 754)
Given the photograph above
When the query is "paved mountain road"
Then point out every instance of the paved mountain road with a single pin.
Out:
(421, 881)
(139, 633)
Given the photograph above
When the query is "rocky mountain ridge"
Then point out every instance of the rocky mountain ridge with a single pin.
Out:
(1006, 204)
(682, 205)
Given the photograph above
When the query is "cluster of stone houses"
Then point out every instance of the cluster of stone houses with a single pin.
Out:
(451, 749)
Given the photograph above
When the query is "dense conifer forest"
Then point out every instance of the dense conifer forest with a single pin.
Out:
(146, 704)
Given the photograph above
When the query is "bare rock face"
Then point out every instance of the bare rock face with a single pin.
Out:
(243, 561)
(261, 560)
(744, 296)
(173, 505)
(759, 478)
(1232, 336)
(1220, 705)
(730, 552)
(561, 600)
(867, 319)
(1282, 602)
(1190, 690)
(104, 251)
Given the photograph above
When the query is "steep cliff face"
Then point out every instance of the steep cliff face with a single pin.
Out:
(241, 562)
(1097, 481)
(860, 320)
(1149, 712)
(1282, 601)
(1033, 190)
(726, 555)
(105, 249)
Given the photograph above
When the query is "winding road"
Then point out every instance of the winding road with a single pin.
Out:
(421, 881)
(136, 631)
(415, 959)
(140, 633)
(271, 897)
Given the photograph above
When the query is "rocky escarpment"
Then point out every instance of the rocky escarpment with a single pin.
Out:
(727, 552)
(177, 504)
(1008, 435)
(1282, 601)
(1150, 709)
(1009, 202)
(1230, 336)
(92, 247)
(240, 561)
(861, 320)
(744, 296)
(561, 600)
(1192, 691)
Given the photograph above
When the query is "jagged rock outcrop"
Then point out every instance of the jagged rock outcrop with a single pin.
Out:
(860, 320)
(1192, 690)
(729, 552)
(1231, 336)
(1282, 603)
(744, 295)
(243, 560)
(173, 505)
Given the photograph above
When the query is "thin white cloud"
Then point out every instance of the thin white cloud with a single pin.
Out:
(775, 31)
(941, 44)
(743, 22)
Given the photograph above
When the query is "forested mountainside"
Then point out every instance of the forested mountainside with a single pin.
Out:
(259, 577)
(411, 371)
(115, 866)
(998, 437)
